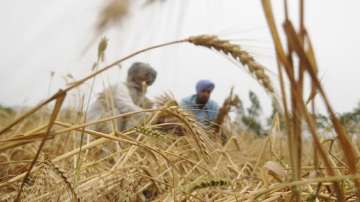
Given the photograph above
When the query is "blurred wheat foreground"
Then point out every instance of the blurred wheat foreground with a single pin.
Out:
(52, 154)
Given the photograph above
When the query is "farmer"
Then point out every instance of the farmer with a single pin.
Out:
(200, 104)
(125, 97)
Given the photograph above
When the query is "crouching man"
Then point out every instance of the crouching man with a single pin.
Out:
(128, 96)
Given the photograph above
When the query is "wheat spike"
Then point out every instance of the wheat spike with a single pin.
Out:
(166, 99)
(102, 48)
(234, 50)
(194, 128)
(113, 12)
(149, 131)
(210, 183)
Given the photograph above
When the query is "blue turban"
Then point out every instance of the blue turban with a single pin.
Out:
(204, 85)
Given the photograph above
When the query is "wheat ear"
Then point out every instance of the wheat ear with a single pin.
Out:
(234, 50)
(194, 128)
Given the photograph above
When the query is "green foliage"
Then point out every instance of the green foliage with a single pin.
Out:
(351, 120)
(250, 116)
(322, 121)
(353, 116)
(252, 124)
(255, 108)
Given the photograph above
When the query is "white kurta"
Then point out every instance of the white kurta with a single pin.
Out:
(114, 100)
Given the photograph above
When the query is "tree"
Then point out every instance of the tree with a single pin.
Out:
(250, 117)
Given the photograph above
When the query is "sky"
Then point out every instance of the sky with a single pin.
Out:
(40, 36)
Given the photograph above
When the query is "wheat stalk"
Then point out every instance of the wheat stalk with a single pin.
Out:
(235, 51)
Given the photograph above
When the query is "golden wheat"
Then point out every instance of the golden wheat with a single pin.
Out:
(112, 13)
(235, 51)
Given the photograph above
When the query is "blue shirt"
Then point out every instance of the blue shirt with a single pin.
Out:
(207, 114)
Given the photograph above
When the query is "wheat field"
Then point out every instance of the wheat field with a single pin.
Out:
(51, 153)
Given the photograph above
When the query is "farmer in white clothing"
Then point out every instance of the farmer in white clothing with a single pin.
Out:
(124, 97)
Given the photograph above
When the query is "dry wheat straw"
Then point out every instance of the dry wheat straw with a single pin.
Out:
(62, 175)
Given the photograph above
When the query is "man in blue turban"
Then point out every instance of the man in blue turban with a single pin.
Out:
(200, 103)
